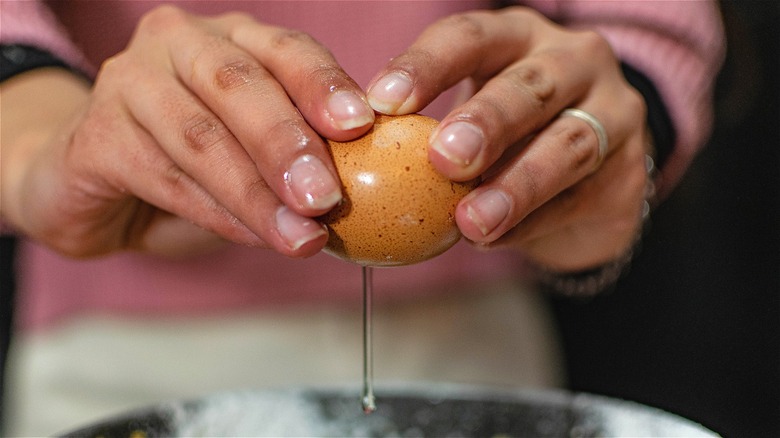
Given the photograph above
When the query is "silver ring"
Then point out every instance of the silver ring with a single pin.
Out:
(597, 127)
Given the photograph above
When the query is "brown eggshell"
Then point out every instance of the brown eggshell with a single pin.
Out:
(397, 209)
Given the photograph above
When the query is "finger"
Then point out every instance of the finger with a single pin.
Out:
(513, 105)
(445, 53)
(590, 223)
(137, 167)
(617, 190)
(328, 98)
(193, 167)
(523, 98)
(172, 190)
(558, 157)
(525, 84)
(247, 114)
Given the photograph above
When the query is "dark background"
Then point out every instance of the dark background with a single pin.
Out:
(694, 328)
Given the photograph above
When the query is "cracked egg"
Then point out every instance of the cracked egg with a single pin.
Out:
(397, 209)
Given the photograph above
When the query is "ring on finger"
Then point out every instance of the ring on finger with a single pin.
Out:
(598, 128)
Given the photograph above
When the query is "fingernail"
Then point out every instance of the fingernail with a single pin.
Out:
(459, 142)
(390, 92)
(347, 110)
(312, 183)
(487, 210)
(297, 230)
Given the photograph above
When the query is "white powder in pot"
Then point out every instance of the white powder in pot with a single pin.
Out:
(277, 414)
(613, 417)
(251, 414)
(291, 413)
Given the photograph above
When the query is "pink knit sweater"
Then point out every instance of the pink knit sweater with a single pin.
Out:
(678, 45)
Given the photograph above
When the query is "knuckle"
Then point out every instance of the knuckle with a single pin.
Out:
(202, 133)
(236, 17)
(111, 65)
(498, 122)
(123, 64)
(530, 184)
(415, 61)
(216, 62)
(533, 82)
(324, 74)
(493, 110)
(594, 44)
(286, 39)
(253, 190)
(468, 25)
(580, 141)
(236, 73)
(182, 189)
(161, 18)
(111, 69)
(284, 127)
(174, 179)
(522, 13)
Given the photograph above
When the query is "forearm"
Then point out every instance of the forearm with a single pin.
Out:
(35, 107)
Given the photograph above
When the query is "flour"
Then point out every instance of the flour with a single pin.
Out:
(446, 411)
(278, 414)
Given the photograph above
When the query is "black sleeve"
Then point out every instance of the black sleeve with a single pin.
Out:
(658, 119)
(17, 58)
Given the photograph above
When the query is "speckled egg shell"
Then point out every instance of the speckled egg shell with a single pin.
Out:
(397, 209)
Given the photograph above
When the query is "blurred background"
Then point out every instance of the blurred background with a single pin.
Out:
(694, 328)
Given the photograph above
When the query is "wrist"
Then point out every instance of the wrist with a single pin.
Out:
(36, 105)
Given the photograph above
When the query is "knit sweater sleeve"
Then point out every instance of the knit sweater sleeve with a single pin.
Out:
(31, 23)
(679, 46)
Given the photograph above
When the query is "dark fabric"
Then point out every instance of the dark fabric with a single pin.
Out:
(7, 288)
(658, 120)
(16, 59)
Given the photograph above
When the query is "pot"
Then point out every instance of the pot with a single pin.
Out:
(421, 410)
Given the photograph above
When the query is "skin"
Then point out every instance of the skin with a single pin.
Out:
(169, 153)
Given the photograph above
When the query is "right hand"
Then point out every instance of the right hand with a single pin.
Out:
(203, 129)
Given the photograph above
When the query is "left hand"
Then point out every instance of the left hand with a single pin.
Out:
(544, 191)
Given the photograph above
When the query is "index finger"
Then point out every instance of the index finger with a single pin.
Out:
(327, 97)
(246, 73)
(521, 62)
(448, 51)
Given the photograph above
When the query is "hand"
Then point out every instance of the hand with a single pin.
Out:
(543, 192)
(202, 129)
